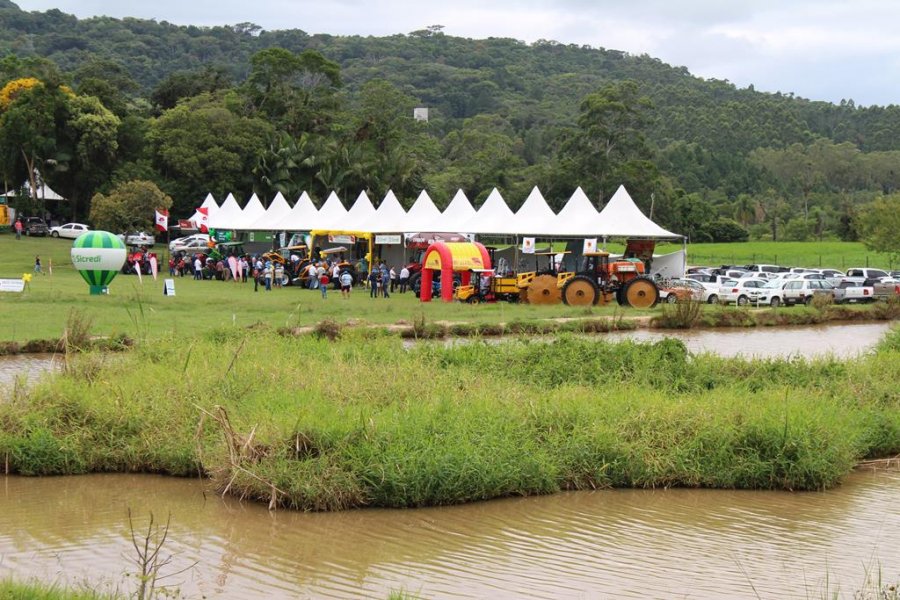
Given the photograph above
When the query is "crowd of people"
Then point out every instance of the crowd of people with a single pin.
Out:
(382, 280)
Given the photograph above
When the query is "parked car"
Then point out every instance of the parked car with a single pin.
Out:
(69, 230)
(772, 293)
(35, 226)
(801, 291)
(137, 238)
(853, 291)
(865, 274)
(679, 290)
(189, 242)
(765, 268)
(740, 291)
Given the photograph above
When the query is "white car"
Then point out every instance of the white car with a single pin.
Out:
(137, 238)
(69, 230)
(772, 293)
(677, 290)
(740, 291)
(189, 242)
(801, 291)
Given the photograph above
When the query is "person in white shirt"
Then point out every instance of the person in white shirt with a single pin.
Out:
(198, 268)
(346, 283)
(404, 279)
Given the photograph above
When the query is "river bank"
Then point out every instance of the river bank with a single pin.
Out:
(313, 424)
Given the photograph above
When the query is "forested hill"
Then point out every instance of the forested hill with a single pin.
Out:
(502, 113)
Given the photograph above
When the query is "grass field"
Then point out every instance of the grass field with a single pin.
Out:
(835, 255)
(140, 310)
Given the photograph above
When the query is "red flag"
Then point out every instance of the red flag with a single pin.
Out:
(202, 220)
(162, 220)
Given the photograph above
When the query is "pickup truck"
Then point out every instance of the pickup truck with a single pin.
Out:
(35, 226)
(864, 275)
(886, 290)
(853, 291)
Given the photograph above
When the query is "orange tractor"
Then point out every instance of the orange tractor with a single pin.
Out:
(600, 280)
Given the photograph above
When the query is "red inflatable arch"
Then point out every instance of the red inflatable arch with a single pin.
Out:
(449, 258)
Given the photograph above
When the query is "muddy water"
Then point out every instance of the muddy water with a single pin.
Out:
(26, 367)
(842, 341)
(605, 544)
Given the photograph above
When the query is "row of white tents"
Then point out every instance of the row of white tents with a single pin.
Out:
(578, 218)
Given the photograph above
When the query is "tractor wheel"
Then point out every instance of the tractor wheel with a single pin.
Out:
(672, 298)
(579, 291)
(543, 290)
(640, 292)
(473, 300)
(414, 283)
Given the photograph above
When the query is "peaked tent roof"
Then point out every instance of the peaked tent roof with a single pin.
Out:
(360, 215)
(273, 219)
(622, 217)
(389, 217)
(454, 217)
(331, 216)
(252, 213)
(577, 218)
(534, 216)
(302, 215)
(421, 214)
(494, 216)
(209, 202)
(43, 192)
(228, 216)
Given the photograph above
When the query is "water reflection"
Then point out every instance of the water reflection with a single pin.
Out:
(621, 544)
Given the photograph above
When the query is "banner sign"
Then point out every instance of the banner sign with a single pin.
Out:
(12, 285)
(185, 224)
(590, 245)
(342, 239)
(168, 287)
(528, 245)
(387, 239)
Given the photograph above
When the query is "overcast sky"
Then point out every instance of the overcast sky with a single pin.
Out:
(818, 49)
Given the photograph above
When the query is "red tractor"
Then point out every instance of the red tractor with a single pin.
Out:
(599, 279)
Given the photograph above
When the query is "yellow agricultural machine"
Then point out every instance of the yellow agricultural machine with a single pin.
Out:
(598, 281)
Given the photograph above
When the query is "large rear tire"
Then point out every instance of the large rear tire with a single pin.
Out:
(640, 292)
(543, 290)
(580, 291)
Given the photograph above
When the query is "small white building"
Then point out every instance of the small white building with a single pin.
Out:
(420, 114)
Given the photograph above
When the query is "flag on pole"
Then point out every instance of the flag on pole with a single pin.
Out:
(201, 220)
(528, 245)
(162, 219)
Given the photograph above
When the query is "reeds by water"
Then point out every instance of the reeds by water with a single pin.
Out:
(359, 421)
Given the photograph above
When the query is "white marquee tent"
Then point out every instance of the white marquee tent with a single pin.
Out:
(300, 217)
(228, 216)
(274, 216)
(454, 217)
(389, 217)
(534, 216)
(494, 217)
(330, 215)
(421, 214)
(622, 217)
(360, 215)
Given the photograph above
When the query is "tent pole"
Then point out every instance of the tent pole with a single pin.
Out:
(516, 255)
(684, 260)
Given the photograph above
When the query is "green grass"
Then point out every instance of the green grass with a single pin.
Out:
(141, 310)
(835, 255)
(322, 425)
(10, 590)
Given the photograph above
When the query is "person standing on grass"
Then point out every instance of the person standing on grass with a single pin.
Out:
(268, 272)
(373, 283)
(385, 280)
(19, 228)
(279, 274)
(37, 265)
(198, 268)
(404, 279)
(323, 283)
(393, 274)
(346, 283)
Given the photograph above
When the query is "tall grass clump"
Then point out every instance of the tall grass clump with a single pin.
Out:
(34, 590)
(684, 314)
(314, 424)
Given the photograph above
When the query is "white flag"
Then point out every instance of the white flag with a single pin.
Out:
(590, 245)
(528, 245)
(162, 220)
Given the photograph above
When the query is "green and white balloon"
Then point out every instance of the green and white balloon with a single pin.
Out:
(98, 256)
